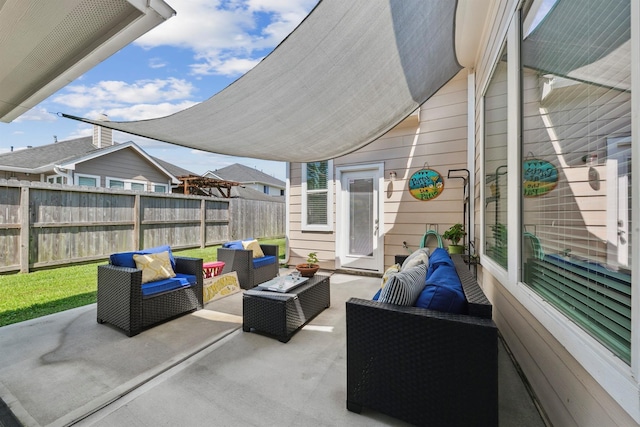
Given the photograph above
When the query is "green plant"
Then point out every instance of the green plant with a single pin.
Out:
(454, 233)
(312, 258)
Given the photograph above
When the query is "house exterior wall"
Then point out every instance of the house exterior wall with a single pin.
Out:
(569, 393)
(124, 164)
(271, 191)
(434, 138)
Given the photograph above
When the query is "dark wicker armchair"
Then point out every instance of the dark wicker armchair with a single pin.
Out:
(241, 261)
(422, 366)
(121, 303)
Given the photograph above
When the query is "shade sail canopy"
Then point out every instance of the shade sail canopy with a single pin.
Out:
(45, 45)
(350, 72)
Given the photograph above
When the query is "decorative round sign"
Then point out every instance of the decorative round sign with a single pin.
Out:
(540, 177)
(426, 184)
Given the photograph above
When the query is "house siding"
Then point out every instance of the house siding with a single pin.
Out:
(123, 164)
(436, 140)
(569, 395)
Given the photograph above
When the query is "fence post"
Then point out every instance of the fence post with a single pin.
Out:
(203, 223)
(25, 227)
(137, 227)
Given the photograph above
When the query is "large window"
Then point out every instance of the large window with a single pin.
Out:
(317, 201)
(576, 136)
(87, 180)
(495, 163)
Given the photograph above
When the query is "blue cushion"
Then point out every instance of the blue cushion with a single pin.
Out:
(439, 257)
(443, 291)
(376, 297)
(164, 285)
(235, 244)
(262, 261)
(125, 259)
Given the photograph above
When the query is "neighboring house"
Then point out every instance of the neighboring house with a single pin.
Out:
(92, 161)
(249, 177)
(540, 126)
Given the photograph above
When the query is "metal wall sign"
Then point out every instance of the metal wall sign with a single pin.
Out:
(426, 184)
(539, 177)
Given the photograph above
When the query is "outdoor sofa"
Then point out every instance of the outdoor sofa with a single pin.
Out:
(125, 302)
(252, 268)
(423, 366)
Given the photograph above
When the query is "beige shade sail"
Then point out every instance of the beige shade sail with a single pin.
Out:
(351, 71)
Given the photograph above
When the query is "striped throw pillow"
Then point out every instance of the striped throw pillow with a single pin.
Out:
(403, 288)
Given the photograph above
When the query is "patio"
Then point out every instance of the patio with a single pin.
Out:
(65, 369)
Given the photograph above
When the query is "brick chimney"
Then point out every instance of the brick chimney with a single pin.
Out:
(102, 137)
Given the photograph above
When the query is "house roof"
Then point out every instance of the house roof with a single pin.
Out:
(350, 72)
(44, 45)
(246, 175)
(67, 153)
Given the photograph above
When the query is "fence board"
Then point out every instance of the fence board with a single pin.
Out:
(66, 224)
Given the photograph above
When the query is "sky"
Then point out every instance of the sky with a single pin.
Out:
(183, 61)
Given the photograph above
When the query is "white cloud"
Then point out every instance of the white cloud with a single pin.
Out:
(37, 114)
(227, 37)
(157, 63)
(142, 111)
(110, 93)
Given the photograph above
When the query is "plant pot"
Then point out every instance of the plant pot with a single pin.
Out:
(456, 249)
(307, 270)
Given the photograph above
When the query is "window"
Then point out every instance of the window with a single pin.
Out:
(57, 179)
(159, 188)
(87, 180)
(576, 136)
(317, 200)
(115, 183)
(495, 163)
(265, 189)
(138, 186)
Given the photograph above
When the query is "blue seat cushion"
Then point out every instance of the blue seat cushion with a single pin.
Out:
(125, 259)
(235, 244)
(164, 285)
(443, 291)
(264, 260)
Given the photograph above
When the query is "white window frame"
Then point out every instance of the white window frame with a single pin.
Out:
(51, 179)
(614, 375)
(78, 176)
(156, 184)
(128, 182)
(305, 226)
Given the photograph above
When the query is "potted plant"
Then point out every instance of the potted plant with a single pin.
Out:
(309, 268)
(454, 234)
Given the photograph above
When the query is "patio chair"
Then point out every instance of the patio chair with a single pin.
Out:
(251, 271)
(125, 302)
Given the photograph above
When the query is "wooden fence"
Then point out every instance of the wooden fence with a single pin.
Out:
(43, 225)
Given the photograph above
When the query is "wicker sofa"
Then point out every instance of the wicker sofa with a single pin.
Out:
(422, 366)
(251, 272)
(121, 301)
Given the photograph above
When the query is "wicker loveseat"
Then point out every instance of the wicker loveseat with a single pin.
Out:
(251, 271)
(126, 303)
(423, 366)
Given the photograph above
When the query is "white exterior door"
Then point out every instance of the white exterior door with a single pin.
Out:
(360, 237)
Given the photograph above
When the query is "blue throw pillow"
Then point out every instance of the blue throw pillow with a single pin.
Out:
(234, 244)
(443, 291)
(439, 257)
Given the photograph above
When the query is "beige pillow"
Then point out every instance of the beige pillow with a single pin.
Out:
(254, 246)
(154, 266)
(421, 256)
(390, 272)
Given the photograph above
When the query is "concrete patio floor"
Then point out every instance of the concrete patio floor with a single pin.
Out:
(199, 369)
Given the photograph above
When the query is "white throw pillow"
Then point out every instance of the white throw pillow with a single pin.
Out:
(404, 288)
(421, 256)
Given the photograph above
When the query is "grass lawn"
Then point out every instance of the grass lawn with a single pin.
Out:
(42, 292)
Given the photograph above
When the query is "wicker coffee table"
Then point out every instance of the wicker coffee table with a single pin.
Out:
(282, 314)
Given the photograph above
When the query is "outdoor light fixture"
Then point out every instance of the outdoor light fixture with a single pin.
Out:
(393, 175)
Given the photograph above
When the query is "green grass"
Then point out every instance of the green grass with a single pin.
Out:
(42, 292)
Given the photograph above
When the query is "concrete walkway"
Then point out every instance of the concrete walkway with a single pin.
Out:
(199, 369)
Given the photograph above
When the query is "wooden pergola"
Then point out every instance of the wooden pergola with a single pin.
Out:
(198, 185)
